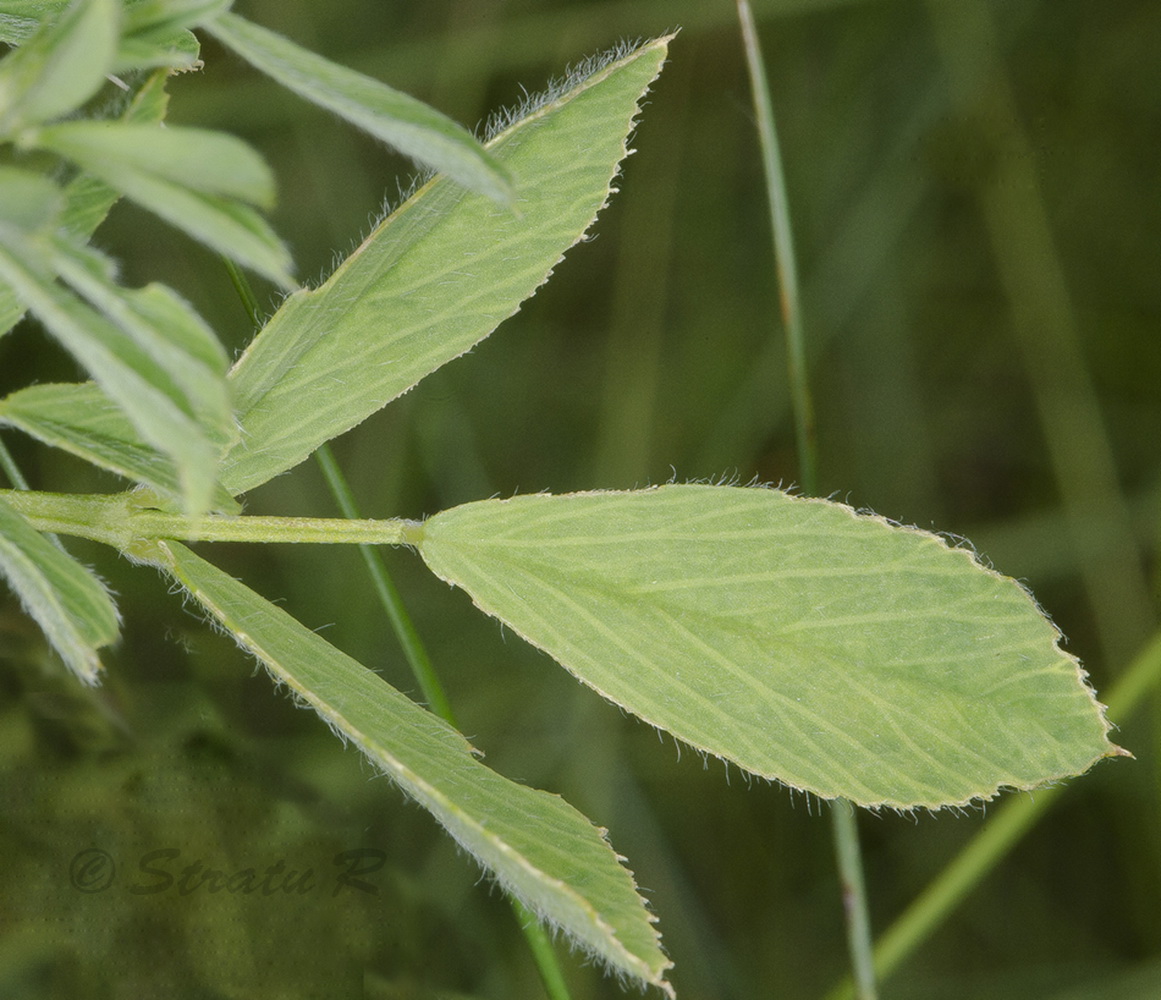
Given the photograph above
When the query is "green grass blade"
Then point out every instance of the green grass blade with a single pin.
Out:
(408, 125)
(834, 652)
(786, 260)
(539, 848)
(62, 597)
(437, 276)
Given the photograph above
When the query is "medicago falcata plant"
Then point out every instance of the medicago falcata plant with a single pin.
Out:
(832, 651)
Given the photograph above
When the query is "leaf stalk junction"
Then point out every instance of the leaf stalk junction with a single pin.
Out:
(130, 522)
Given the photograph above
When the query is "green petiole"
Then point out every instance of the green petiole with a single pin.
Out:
(124, 522)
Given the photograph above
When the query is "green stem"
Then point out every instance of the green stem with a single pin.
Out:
(785, 262)
(217, 528)
(389, 597)
(11, 469)
(242, 286)
(413, 648)
(541, 947)
(117, 520)
(437, 700)
(850, 865)
(845, 825)
(996, 840)
(16, 478)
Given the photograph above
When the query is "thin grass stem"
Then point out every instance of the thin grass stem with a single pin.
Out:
(418, 659)
(245, 292)
(854, 892)
(389, 597)
(11, 469)
(995, 841)
(845, 824)
(433, 691)
(784, 259)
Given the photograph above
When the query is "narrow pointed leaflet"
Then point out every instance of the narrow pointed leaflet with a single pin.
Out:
(537, 846)
(435, 277)
(65, 599)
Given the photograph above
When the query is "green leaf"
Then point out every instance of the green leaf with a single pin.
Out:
(179, 412)
(87, 199)
(163, 324)
(437, 276)
(400, 120)
(834, 652)
(90, 199)
(189, 177)
(83, 421)
(60, 66)
(20, 19)
(167, 17)
(181, 357)
(177, 52)
(62, 597)
(28, 201)
(193, 158)
(538, 847)
(156, 34)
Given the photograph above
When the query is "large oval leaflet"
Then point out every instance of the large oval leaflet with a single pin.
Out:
(832, 651)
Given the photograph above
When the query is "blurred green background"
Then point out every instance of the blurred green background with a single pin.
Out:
(974, 188)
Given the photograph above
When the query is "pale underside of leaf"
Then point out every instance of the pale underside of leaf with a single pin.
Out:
(834, 652)
(437, 276)
(539, 848)
(93, 30)
(157, 33)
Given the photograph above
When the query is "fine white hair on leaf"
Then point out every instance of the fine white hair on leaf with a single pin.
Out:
(556, 88)
(496, 123)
